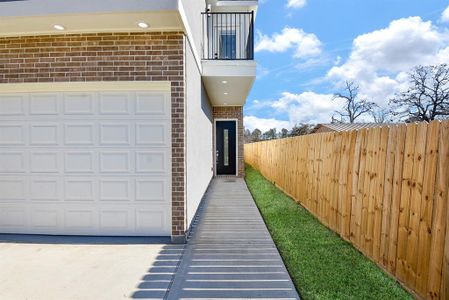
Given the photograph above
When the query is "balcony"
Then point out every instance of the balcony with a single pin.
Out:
(228, 36)
(229, 69)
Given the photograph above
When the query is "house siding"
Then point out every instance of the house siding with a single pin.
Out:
(155, 56)
(192, 10)
(199, 128)
(234, 112)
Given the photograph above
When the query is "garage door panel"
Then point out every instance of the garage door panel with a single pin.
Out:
(44, 104)
(153, 104)
(115, 162)
(115, 134)
(152, 190)
(85, 163)
(80, 189)
(152, 221)
(80, 162)
(44, 134)
(152, 162)
(45, 162)
(81, 134)
(12, 162)
(79, 104)
(153, 134)
(116, 220)
(12, 105)
(12, 134)
(13, 189)
(80, 220)
(46, 189)
(45, 218)
(115, 104)
(13, 217)
(116, 189)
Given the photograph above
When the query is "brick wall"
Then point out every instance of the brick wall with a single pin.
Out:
(157, 56)
(233, 112)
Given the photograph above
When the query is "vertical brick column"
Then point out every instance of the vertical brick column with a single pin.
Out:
(178, 163)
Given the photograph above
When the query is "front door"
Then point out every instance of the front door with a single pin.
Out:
(226, 147)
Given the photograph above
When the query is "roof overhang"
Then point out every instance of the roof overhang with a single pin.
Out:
(234, 5)
(32, 8)
(228, 83)
(33, 17)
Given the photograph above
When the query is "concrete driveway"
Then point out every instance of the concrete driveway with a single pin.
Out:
(71, 268)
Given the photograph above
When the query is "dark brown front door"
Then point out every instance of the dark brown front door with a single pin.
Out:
(226, 147)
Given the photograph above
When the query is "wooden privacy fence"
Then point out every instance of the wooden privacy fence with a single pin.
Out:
(383, 189)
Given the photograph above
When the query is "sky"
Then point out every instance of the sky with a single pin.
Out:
(307, 49)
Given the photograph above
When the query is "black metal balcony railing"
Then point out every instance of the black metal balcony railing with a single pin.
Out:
(228, 36)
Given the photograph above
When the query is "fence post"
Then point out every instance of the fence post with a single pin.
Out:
(436, 285)
(445, 275)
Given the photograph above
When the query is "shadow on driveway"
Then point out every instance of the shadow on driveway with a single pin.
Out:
(89, 268)
(157, 282)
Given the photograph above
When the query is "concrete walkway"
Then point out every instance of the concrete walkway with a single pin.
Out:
(230, 253)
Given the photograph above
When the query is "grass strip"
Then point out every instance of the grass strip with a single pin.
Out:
(321, 264)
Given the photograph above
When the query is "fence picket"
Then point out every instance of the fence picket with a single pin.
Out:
(387, 195)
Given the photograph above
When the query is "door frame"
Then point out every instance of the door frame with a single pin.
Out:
(236, 145)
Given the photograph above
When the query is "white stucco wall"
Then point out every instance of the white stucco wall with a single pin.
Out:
(199, 146)
(191, 10)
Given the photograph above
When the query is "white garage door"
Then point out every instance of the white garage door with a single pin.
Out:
(85, 163)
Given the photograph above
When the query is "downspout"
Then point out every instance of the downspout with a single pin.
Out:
(185, 40)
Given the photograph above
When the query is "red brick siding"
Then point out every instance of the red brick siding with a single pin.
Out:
(233, 112)
(155, 56)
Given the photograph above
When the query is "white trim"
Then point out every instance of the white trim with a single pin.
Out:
(184, 66)
(86, 86)
(237, 3)
(236, 144)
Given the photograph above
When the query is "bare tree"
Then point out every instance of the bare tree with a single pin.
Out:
(354, 106)
(381, 115)
(427, 97)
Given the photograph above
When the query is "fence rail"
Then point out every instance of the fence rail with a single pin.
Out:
(383, 189)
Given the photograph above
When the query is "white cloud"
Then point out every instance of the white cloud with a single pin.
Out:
(307, 107)
(445, 15)
(379, 56)
(337, 60)
(304, 44)
(296, 3)
(379, 62)
(252, 122)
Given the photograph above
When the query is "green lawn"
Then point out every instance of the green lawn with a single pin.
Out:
(321, 264)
